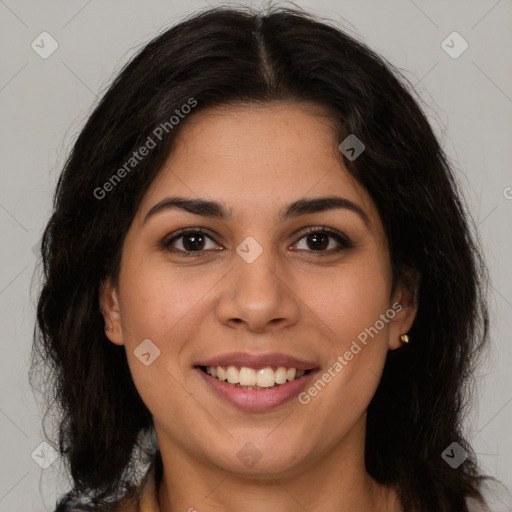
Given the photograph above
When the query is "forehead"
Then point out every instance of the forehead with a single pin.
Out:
(255, 158)
(282, 134)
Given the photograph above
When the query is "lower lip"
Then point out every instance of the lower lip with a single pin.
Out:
(257, 399)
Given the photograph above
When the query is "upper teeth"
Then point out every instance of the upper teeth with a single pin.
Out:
(263, 377)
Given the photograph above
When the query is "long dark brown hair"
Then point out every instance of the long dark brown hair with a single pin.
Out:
(223, 56)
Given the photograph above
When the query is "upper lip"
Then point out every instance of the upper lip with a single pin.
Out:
(257, 361)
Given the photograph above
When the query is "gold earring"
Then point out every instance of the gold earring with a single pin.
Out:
(404, 338)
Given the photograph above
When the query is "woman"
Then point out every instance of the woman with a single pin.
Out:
(261, 291)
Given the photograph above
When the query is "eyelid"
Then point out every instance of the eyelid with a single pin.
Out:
(343, 240)
(186, 231)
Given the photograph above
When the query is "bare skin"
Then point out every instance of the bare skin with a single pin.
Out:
(293, 298)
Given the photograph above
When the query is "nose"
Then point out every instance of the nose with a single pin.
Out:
(258, 296)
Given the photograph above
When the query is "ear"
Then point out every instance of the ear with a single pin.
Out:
(109, 303)
(405, 304)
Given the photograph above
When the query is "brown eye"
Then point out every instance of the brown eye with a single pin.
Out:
(193, 241)
(319, 239)
(188, 241)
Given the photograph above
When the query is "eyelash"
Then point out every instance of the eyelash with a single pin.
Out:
(343, 241)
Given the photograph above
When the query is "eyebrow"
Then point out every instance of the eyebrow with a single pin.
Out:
(214, 209)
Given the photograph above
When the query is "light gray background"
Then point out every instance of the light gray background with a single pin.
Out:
(44, 102)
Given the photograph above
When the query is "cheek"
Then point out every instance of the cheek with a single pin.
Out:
(160, 304)
(357, 310)
(159, 313)
(351, 307)
(351, 300)
(169, 307)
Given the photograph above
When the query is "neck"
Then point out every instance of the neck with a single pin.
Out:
(336, 480)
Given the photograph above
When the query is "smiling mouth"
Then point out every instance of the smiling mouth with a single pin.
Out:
(254, 378)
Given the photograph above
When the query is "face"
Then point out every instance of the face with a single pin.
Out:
(264, 288)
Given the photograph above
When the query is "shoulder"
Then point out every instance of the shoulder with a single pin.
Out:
(498, 498)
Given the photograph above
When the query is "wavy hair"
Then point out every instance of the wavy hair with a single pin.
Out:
(224, 56)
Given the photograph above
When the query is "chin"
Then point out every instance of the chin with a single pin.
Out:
(259, 457)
